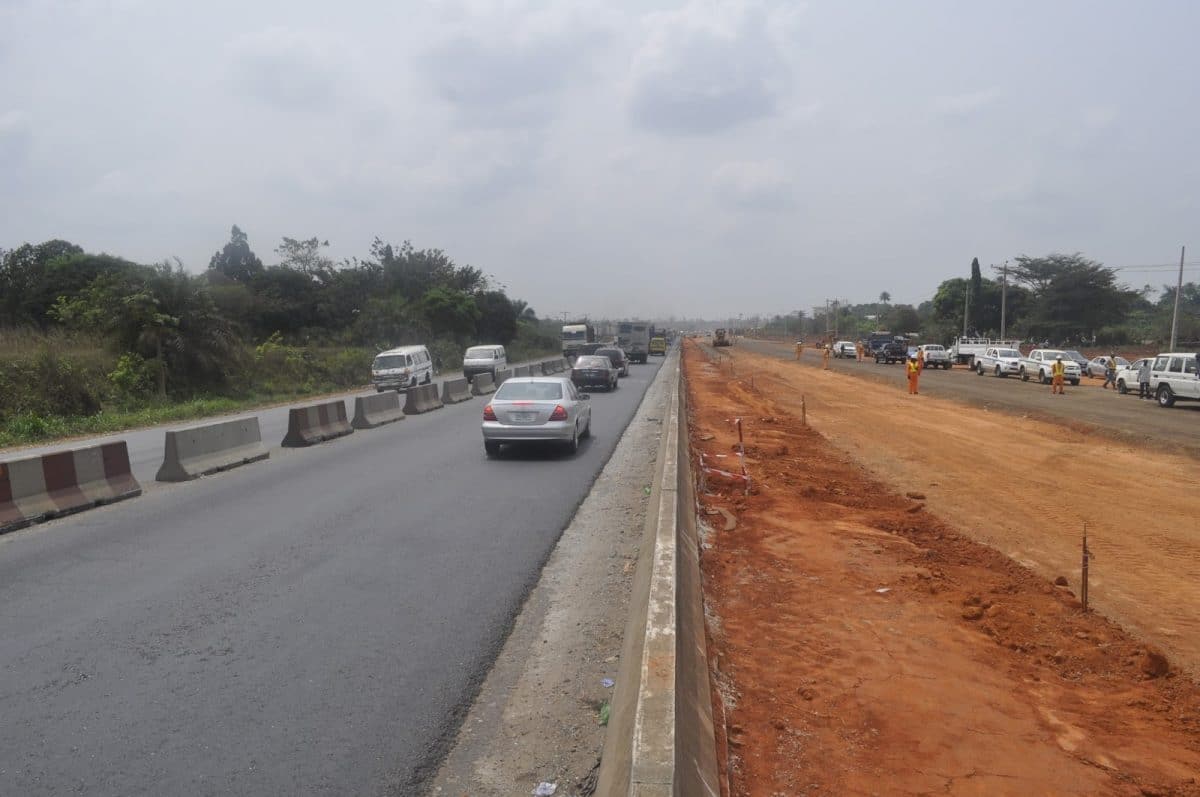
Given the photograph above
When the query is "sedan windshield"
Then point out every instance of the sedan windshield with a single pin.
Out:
(529, 391)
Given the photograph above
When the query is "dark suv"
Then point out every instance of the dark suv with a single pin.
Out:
(894, 351)
(617, 358)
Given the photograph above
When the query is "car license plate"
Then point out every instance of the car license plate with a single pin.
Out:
(523, 417)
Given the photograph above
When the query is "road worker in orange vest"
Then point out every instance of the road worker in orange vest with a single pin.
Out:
(1058, 372)
(799, 348)
(914, 374)
(920, 359)
(825, 356)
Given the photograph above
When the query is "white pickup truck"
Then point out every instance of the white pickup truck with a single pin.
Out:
(999, 362)
(1039, 362)
(936, 355)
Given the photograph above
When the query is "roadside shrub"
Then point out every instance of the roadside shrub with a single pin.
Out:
(134, 378)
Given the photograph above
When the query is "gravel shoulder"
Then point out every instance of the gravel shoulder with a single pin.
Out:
(538, 714)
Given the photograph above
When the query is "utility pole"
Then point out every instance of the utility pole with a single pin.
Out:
(1178, 290)
(1003, 298)
(835, 320)
(966, 308)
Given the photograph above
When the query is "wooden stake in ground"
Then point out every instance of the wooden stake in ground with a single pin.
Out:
(803, 412)
(1083, 589)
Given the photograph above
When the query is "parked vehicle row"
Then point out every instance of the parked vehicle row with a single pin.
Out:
(1040, 363)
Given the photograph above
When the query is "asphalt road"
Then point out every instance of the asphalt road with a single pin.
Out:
(146, 445)
(316, 623)
(1122, 417)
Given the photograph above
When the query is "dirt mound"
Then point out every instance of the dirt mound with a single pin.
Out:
(860, 645)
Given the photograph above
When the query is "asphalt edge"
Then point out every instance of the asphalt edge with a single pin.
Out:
(660, 738)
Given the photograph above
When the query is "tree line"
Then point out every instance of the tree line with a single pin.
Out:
(192, 328)
(1062, 298)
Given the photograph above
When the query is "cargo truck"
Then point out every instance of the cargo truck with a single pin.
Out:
(634, 338)
(575, 337)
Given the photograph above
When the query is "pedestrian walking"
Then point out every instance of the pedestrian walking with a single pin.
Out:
(825, 357)
(1110, 372)
(914, 374)
(1144, 378)
(1058, 373)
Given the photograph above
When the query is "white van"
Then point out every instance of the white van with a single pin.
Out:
(1173, 378)
(401, 368)
(484, 360)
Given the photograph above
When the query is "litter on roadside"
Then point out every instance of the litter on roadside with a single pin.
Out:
(883, 590)
(607, 683)
(545, 789)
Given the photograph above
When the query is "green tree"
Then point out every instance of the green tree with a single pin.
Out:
(885, 297)
(976, 287)
(903, 319)
(305, 256)
(497, 318)
(450, 312)
(236, 261)
(1073, 297)
(31, 279)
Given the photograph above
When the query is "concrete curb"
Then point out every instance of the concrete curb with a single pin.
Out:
(660, 738)
(316, 423)
(199, 450)
(483, 385)
(40, 488)
(422, 398)
(455, 391)
(371, 411)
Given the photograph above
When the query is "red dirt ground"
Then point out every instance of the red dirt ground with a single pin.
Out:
(860, 645)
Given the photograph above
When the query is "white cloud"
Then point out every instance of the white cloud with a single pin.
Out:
(290, 69)
(753, 185)
(965, 104)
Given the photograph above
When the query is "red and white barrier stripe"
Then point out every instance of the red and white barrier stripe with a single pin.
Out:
(39, 488)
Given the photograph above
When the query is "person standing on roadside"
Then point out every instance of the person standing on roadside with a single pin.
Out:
(1058, 373)
(825, 352)
(799, 348)
(1110, 372)
(914, 374)
(858, 350)
(1144, 378)
(920, 359)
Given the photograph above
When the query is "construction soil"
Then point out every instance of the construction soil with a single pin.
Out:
(884, 618)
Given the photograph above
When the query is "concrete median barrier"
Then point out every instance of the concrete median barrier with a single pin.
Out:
(456, 391)
(522, 370)
(483, 385)
(40, 488)
(199, 450)
(422, 398)
(377, 409)
(547, 368)
(660, 738)
(503, 375)
(316, 423)
(564, 365)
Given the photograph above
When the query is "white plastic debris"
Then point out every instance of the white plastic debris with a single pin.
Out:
(545, 789)
(883, 590)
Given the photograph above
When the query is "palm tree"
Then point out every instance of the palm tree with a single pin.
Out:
(524, 311)
(885, 297)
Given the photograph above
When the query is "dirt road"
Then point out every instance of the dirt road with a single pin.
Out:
(1123, 418)
(871, 643)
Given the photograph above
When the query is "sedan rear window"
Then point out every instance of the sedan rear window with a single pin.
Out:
(592, 362)
(530, 391)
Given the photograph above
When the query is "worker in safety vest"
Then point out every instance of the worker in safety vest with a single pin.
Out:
(825, 352)
(914, 374)
(799, 348)
(858, 351)
(920, 359)
(1057, 373)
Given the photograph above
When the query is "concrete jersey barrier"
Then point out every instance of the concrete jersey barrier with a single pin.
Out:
(198, 450)
(455, 391)
(377, 409)
(316, 423)
(423, 398)
(51, 485)
(522, 370)
(547, 368)
(482, 385)
(503, 375)
(660, 738)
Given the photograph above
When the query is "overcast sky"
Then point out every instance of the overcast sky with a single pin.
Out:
(613, 158)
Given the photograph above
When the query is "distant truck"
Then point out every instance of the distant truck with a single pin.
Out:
(999, 361)
(720, 338)
(575, 337)
(936, 355)
(893, 351)
(634, 338)
(876, 341)
(964, 351)
(658, 345)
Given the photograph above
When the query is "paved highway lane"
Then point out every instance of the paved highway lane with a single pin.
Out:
(146, 445)
(1123, 416)
(312, 624)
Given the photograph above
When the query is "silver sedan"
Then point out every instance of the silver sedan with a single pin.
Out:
(539, 409)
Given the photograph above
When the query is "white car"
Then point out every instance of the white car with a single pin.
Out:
(484, 360)
(1039, 363)
(936, 355)
(1173, 378)
(999, 362)
(844, 348)
(538, 409)
(1127, 377)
